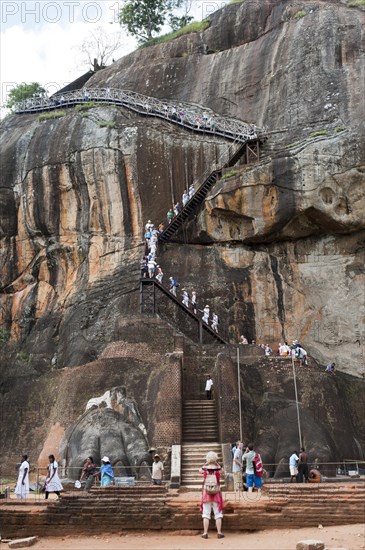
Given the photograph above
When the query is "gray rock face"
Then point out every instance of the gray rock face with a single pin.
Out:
(75, 195)
(277, 249)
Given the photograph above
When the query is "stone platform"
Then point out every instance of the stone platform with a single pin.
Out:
(118, 509)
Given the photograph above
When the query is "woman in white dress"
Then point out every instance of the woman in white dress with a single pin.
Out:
(22, 486)
(53, 483)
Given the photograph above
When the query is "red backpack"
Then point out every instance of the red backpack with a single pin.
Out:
(257, 465)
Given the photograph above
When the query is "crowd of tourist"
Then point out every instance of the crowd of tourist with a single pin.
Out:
(177, 207)
(296, 350)
(152, 270)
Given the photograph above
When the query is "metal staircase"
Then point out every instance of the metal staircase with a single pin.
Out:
(149, 304)
(251, 151)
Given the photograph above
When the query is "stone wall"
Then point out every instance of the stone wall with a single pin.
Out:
(119, 510)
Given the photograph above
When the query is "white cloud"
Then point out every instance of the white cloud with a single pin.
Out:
(37, 50)
(40, 40)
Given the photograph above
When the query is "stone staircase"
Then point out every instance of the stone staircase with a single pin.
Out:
(192, 458)
(116, 510)
(200, 421)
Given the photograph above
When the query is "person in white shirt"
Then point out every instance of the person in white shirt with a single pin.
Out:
(159, 275)
(185, 198)
(237, 467)
(206, 312)
(215, 322)
(208, 387)
(293, 466)
(157, 470)
(185, 298)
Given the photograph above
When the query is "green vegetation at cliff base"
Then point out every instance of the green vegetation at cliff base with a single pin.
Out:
(356, 3)
(229, 174)
(85, 106)
(299, 14)
(51, 115)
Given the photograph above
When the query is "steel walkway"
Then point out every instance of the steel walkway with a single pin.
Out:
(193, 117)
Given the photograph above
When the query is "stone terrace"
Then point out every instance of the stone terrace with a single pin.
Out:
(117, 509)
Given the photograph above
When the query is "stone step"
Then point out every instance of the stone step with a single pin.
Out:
(196, 432)
(208, 447)
(198, 414)
(202, 423)
(196, 462)
(198, 404)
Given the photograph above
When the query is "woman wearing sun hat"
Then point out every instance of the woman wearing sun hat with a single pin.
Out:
(106, 472)
(211, 494)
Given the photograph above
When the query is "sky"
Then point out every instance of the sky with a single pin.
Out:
(40, 41)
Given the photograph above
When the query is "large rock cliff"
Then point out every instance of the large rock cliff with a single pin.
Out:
(278, 246)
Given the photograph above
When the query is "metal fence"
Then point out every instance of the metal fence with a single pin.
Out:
(125, 476)
(340, 471)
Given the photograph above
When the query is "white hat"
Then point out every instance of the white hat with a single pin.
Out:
(105, 459)
(211, 457)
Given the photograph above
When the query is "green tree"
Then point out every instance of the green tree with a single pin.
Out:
(145, 18)
(24, 91)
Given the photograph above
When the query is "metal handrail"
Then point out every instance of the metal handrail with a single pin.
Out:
(195, 117)
(222, 334)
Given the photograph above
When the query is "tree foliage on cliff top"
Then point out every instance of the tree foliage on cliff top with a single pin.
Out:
(145, 18)
(195, 26)
(24, 91)
(356, 3)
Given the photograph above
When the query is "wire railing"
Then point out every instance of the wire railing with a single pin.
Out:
(275, 474)
(192, 116)
(341, 469)
(124, 476)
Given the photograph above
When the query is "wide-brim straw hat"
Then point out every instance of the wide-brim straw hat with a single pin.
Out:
(211, 458)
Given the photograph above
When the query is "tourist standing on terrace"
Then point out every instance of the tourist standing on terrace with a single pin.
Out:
(89, 472)
(22, 486)
(106, 472)
(293, 466)
(157, 470)
(303, 466)
(237, 466)
(53, 482)
(208, 387)
(253, 477)
(211, 498)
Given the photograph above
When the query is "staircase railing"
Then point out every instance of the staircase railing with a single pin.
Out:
(195, 117)
(208, 179)
(149, 304)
